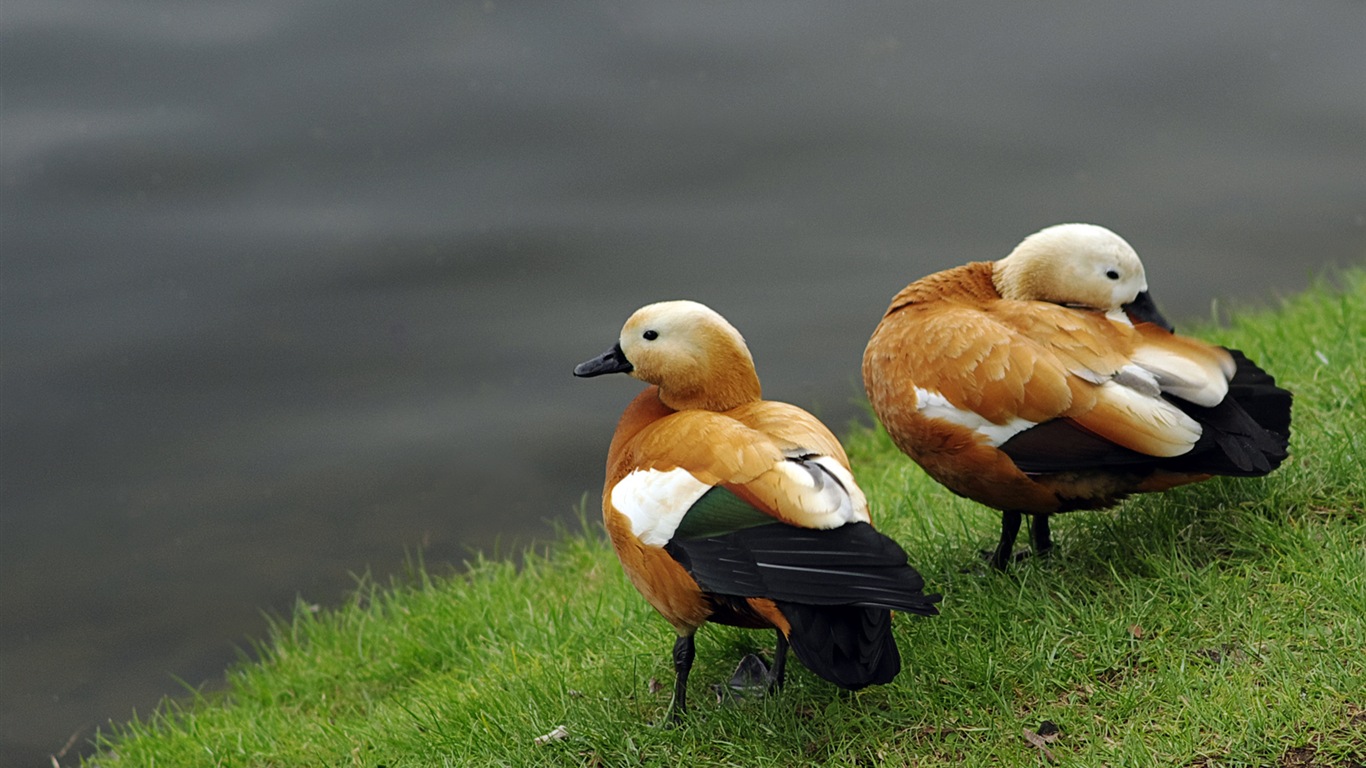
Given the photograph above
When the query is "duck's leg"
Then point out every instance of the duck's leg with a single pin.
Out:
(684, 651)
(1040, 536)
(1010, 529)
(779, 670)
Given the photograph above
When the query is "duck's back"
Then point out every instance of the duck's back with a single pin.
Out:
(1040, 407)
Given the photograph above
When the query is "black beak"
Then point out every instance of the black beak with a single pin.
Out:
(611, 361)
(1143, 310)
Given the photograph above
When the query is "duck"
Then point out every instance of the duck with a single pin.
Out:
(1048, 381)
(726, 508)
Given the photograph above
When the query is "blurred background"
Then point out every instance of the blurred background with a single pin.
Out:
(292, 289)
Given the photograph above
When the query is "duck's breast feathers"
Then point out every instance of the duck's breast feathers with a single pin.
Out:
(679, 460)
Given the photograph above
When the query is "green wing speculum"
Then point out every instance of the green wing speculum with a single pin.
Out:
(719, 512)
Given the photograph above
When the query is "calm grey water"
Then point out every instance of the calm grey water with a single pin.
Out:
(292, 288)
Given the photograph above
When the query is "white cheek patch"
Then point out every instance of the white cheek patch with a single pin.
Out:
(824, 491)
(933, 405)
(655, 502)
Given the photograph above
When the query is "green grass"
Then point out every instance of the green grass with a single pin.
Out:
(1220, 624)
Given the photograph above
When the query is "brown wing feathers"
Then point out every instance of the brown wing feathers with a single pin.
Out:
(719, 524)
(1051, 400)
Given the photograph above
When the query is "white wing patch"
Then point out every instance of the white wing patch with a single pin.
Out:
(655, 502)
(1178, 431)
(1137, 378)
(1086, 374)
(933, 405)
(1183, 377)
(823, 490)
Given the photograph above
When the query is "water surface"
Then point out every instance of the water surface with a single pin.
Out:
(293, 288)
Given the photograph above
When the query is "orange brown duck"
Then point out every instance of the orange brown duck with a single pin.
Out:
(1047, 382)
(727, 508)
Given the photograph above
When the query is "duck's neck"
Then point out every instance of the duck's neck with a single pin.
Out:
(643, 411)
(729, 381)
(1005, 280)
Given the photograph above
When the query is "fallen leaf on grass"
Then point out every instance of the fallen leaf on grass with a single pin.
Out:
(559, 734)
(1047, 734)
(655, 687)
(1038, 741)
(1136, 631)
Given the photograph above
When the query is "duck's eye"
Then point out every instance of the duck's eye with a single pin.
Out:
(1112, 274)
(650, 335)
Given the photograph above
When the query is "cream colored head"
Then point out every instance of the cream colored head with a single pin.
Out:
(1072, 264)
(695, 357)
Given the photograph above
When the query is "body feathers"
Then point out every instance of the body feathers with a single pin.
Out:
(728, 508)
(1046, 382)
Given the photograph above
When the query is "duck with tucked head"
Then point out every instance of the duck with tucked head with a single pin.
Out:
(1047, 381)
(727, 508)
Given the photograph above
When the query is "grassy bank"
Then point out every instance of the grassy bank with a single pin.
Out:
(1220, 624)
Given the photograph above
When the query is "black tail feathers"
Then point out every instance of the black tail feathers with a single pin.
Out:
(836, 587)
(1248, 434)
(1256, 391)
(851, 647)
